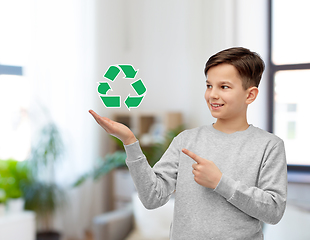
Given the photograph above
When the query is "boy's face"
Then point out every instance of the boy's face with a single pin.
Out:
(225, 96)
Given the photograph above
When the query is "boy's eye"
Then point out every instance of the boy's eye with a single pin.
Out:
(225, 87)
(209, 86)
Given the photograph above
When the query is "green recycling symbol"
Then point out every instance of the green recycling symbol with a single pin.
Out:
(115, 101)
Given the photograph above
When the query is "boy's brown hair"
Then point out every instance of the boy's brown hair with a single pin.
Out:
(249, 64)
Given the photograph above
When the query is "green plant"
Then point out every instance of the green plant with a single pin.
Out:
(154, 152)
(41, 193)
(2, 196)
(13, 175)
(118, 158)
(104, 166)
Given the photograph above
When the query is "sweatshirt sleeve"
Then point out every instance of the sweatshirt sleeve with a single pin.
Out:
(267, 201)
(154, 185)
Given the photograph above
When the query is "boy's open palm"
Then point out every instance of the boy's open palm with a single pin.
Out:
(206, 173)
(115, 129)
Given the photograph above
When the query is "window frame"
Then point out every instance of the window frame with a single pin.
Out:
(273, 69)
(11, 70)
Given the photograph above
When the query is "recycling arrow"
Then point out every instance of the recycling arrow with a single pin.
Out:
(115, 101)
(111, 73)
(139, 87)
(103, 88)
(133, 101)
(111, 101)
(129, 71)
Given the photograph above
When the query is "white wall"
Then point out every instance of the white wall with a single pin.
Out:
(252, 32)
(170, 41)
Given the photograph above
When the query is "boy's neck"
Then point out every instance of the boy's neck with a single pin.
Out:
(228, 126)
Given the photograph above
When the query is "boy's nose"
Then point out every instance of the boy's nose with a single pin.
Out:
(214, 94)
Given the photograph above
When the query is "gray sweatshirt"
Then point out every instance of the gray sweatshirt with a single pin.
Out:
(252, 189)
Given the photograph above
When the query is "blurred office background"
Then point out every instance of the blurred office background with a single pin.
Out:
(54, 53)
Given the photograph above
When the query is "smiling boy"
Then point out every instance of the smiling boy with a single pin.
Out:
(229, 176)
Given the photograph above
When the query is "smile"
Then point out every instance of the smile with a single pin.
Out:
(216, 106)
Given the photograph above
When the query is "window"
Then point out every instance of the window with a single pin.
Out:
(14, 123)
(289, 62)
(15, 129)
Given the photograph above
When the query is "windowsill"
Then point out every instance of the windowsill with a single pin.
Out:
(298, 177)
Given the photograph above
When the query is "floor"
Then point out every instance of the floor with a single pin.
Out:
(88, 236)
(295, 224)
(135, 235)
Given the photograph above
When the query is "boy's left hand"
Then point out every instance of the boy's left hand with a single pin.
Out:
(206, 173)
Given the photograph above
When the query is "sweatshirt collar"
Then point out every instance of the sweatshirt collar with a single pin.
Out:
(237, 133)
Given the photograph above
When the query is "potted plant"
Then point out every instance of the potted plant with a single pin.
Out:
(13, 175)
(41, 193)
(3, 171)
(2, 201)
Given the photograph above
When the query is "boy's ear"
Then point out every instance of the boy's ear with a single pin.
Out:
(252, 93)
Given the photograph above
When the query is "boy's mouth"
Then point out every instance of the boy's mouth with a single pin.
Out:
(216, 106)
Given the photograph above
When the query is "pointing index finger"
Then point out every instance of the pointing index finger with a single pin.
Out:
(192, 155)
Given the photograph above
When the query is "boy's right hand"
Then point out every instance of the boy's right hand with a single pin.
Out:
(115, 129)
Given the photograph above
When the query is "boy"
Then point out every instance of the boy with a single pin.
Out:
(233, 177)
